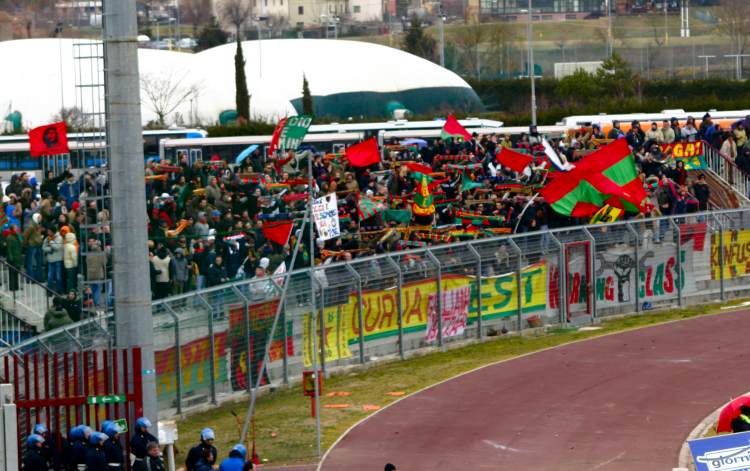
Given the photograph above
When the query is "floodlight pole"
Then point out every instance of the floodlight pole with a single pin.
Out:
(530, 67)
(132, 294)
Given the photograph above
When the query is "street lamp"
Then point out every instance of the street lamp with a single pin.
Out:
(530, 67)
(441, 24)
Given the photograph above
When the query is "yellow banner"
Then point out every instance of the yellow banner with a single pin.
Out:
(736, 248)
(335, 332)
(380, 308)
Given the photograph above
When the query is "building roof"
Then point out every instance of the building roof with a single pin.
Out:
(340, 73)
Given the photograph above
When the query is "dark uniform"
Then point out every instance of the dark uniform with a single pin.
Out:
(77, 455)
(148, 463)
(138, 443)
(198, 452)
(96, 459)
(34, 461)
(114, 454)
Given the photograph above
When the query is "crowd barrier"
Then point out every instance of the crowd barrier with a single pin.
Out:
(210, 345)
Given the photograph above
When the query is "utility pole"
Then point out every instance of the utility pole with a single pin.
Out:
(441, 25)
(132, 290)
(685, 19)
(666, 24)
(610, 42)
(530, 39)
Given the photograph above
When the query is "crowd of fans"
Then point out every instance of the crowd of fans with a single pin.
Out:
(206, 218)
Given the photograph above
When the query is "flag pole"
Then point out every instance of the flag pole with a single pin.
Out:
(313, 310)
(520, 216)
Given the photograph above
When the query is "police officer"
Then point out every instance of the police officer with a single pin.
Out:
(96, 458)
(33, 459)
(113, 448)
(79, 438)
(205, 449)
(151, 461)
(141, 438)
(236, 460)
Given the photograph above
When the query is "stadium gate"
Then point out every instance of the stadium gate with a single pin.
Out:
(62, 390)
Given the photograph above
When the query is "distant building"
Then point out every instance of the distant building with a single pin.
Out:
(306, 14)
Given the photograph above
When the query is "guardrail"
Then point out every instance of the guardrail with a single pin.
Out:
(728, 171)
(27, 299)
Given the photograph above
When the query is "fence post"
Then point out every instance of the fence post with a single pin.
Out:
(637, 296)
(399, 305)
(439, 284)
(478, 283)
(319, 312)
(8, 429)
(720, 226)
(592, 268)
(678, 254)
(358, 279)
(178, 357)
(246, 322)
(561, 288)
(519, 283)
(211, 345)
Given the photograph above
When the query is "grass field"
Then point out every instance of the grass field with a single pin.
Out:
(286, 432)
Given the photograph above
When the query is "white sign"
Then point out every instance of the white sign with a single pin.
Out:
(326, 216)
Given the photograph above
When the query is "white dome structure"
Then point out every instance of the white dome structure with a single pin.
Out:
(346, 78)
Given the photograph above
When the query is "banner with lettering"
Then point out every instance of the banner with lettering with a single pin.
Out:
(195, 364)
(690, 153)
(454, 312)
(335, 335)
(736, 253)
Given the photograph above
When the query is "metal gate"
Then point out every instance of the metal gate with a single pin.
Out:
(578, 282)
(62, 390)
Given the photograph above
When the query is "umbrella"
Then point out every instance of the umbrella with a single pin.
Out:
(421, 143)
(730, 412)
(243, 155)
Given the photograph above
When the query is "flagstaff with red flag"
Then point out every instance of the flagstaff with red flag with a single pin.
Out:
(50, 139)
(363, 154)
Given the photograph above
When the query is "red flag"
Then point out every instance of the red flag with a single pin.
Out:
(275, 137)
(363, 154)
(453, 129)
(50, 139)
(514, 160)
(419, 168)
(278, 232)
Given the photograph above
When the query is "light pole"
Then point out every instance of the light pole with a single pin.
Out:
(666, 24)
(178, 34)
(738, 62)
(258, 19)
(441, 25)
(609, 29)
(530, 66)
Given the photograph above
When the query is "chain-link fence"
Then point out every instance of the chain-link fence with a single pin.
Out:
(215, 344)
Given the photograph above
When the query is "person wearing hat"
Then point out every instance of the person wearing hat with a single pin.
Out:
(52, 248)
(112, 447)
(96, 457)
(181, 267)
(204, 450)
(141, 438)
(236, 460)
(33, 459)
(615, 132)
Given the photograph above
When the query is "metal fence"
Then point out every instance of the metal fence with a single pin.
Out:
(210, 345)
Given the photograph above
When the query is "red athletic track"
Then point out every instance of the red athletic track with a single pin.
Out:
(617, 402)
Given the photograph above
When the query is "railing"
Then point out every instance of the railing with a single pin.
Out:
(25, 297)
(14, 330)
(728, 171)
(210, 345)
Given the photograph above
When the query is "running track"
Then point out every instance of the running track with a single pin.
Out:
(617, 402)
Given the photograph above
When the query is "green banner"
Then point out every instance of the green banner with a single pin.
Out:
(294, 132)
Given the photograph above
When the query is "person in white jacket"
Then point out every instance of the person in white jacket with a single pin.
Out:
(70, 261)
(52, 247)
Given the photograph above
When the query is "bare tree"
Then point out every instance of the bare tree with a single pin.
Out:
(235, 13)
(74, 118)
(734, 23)
(468, 39)
(196, 12)
(501, 47)
(164, 93)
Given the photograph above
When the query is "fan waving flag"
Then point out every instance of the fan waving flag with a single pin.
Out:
(560, 164)
(607, 176)
(368, 207)
(363, 154)
(423, 200)
(418, 168)
(51, 139)
(278, 232)
(453, 129)
(514, 160)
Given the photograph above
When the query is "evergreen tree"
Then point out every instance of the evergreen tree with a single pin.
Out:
(242, 98)
(417, 42)
(210, 35)
(307, 101)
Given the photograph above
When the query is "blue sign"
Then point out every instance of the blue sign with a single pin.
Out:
(722, 453)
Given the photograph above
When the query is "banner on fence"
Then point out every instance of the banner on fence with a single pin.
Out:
(261, 322)
(690, 153)
(195, 366)
(335, 335)
(454, 313)
(500, 293)
(736, 254)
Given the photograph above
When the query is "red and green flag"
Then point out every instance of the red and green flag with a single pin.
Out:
(368, 207)
(453, 129)
(607, 176)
